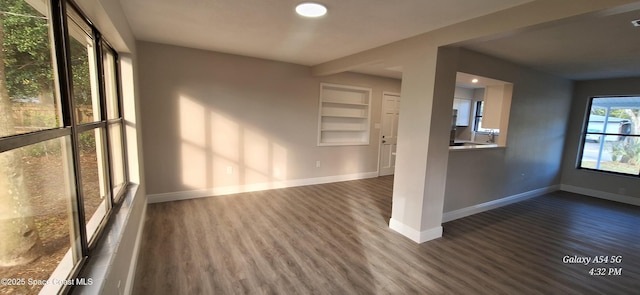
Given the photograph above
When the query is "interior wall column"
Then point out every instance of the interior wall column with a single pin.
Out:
(428, 85)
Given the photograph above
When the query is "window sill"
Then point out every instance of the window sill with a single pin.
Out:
(607, 172)
(101, 259)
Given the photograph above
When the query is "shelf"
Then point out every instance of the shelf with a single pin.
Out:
(344, 115)
(341, 143)
(343, 138)
(342, 130)
(346, 103)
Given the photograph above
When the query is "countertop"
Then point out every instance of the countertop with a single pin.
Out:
(462, 145)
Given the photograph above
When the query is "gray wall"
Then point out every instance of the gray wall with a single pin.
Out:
(205, 111)
(591, 180)
(537, 128)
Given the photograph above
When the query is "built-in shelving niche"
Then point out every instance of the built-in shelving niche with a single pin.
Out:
(344, 116)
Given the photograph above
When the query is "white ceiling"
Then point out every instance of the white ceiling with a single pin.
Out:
(594, 46)
(466, 81)
(601, 45)
(272, 30)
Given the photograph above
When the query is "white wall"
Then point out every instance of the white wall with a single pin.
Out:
(461, 92)
(220, 123)
(537, 128)
(598, 184)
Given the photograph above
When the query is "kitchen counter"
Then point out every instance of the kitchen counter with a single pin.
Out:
(470, 145)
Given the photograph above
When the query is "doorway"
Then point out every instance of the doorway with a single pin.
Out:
(389, 131)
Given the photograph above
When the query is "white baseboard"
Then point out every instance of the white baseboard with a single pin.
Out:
(600, 194)
(128, 287)
(185, 195)
(414, 235)
(475, 209)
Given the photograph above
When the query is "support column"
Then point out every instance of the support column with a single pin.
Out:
(428, 86)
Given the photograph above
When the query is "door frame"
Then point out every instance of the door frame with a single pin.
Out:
(380, 129)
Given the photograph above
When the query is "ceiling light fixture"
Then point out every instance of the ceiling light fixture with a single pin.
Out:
(636, 23)
(474, 81)
(310, 9)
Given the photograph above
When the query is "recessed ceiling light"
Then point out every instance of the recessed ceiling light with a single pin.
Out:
(474, 81)
(636, 23)
(310, 9)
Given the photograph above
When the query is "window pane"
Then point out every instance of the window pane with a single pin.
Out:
(487, 130)
(83, 69)
(92, 169)
(613, 156)
(478, 125)
(37, 202)
(29, 100)
(117, 158)
(625, 155)
(111, 90)
(612, 138)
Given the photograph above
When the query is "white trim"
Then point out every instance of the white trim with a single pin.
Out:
(430, 234)
(475, 209)
(54, 284)
(96, 218)
(382, 125)
(219, 191)
(600, 194)
(128, 287)
(414, 235)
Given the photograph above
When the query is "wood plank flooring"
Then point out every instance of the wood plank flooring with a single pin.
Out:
(334, 239)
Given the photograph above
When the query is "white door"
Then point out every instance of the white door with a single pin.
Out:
(388, 138)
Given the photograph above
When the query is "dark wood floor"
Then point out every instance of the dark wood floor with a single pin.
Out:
(334, 239)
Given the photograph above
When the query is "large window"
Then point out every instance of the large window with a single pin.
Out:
(62, 157)
(611, 137)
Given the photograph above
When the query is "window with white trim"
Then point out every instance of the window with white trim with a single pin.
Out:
(477, 126)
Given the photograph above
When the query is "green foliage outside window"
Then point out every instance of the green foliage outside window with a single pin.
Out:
(626, 151)
(29, 74)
